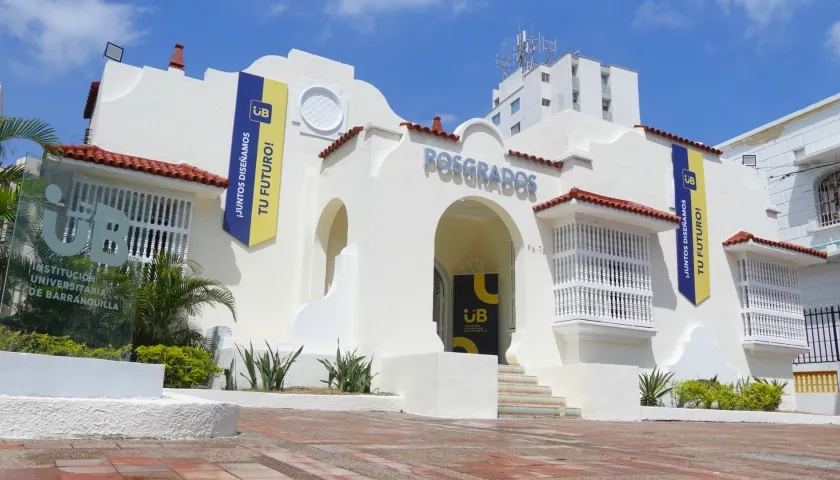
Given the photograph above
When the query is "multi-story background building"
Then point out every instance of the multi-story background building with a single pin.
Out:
(535, 91)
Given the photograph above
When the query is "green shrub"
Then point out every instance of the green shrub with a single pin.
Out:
(654, 386)
(13, 341)
(726, 396)
(760, 396)
(185, 367)
(350, 373)
(694, 394)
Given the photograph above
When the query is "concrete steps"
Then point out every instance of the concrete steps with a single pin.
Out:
(521, 394)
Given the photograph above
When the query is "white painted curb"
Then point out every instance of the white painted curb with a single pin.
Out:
(731, 416)
(172, 417)
(333, 403)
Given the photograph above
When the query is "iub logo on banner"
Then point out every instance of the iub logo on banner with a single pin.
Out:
(692, 236)
(256, 159)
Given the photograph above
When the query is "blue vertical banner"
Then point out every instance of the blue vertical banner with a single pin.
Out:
(256, 159)
(692, 236)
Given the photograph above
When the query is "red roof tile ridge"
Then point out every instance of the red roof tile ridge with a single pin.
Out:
(90, 103)
(744, 237)
(610, 202)
(677, 138)
(431, 131)
(180, 171)
(340, 141)
(536, 159)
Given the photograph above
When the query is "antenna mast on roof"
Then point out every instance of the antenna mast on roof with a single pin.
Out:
(525, 53)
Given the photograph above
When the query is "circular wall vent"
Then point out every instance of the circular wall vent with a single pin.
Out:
(321, 109)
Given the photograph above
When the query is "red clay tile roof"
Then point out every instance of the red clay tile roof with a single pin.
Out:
(533, 158)
(93, 94)
(677, 138)
(435, 130)
(180, 171)
(610, 202)
(177, 60)
(340, 141)
(744, 237)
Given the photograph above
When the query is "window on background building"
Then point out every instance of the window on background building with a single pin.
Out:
(828, 199)
(574, 70)
(497, 119)
(546, 102)
(514, 129)
(514, 106)
(605, 105)
(546, 77)
(605, 79)
(575, 97)
(495, 102)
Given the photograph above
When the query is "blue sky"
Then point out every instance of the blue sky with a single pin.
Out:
(708, 69)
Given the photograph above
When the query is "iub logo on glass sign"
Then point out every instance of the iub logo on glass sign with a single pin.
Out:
(108, 242)
(99, 226)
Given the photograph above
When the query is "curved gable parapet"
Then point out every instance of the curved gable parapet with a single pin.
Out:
(465, 128)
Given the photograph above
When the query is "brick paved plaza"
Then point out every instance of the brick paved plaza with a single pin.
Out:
(322, 445)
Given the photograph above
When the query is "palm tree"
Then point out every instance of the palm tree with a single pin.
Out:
(171, 294)
(33, 130)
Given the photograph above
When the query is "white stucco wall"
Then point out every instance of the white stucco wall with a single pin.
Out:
(777, 146)
(381, 295)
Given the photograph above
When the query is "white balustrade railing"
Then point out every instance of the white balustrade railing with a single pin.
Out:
(601, 274)
(771, 304)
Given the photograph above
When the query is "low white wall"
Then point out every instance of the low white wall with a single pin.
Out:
(174, 417)
(702, 415)
(334, 403)
(444, 384)
(28, 374)
(821, 403)
(601, 391)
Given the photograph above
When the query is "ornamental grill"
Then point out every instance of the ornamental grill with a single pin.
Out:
(601, 274)
(157, 223)
(771, 306)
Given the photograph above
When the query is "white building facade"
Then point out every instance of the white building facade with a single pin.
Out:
(573, 82)
(799, 157)
(581, 251)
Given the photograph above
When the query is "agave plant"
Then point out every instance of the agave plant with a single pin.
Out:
(775, 382)
(349, 373)
(273, 369)
(654, 386)
(250, 365)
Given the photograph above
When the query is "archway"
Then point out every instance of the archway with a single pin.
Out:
(476, 245)
(330, 240)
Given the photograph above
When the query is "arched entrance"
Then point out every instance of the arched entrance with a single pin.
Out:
(474, 278)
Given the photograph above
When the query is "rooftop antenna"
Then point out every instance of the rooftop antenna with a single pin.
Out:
(525, 53)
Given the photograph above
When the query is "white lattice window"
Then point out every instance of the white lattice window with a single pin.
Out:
(771, 307)
(828, 199)
(601, 274)
(158, 223)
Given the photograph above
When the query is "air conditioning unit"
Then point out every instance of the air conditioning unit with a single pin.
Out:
(749, 160)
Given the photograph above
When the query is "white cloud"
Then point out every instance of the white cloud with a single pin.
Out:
(832, 40)
(653, 13)
(371, 7)
(66, 34)
(761, 13)
(278, 8)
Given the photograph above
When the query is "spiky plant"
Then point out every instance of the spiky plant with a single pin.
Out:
(654, 386)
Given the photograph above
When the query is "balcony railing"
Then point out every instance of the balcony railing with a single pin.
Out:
(576, 106)
(607, 116)
(606, 91)
(576, 83)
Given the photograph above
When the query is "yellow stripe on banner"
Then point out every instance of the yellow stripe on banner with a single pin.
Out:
(465, 343)
(702, 285)
(269, 164)
(481, 290)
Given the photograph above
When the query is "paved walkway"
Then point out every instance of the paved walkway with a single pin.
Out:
(278, 444)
